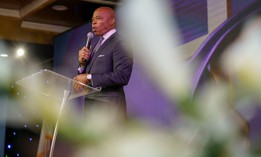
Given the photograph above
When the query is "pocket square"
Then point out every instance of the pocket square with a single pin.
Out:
(101, 56)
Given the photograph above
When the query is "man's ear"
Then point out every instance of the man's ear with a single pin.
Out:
(112, 21)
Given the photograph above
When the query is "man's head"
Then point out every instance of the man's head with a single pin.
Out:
(103, 20)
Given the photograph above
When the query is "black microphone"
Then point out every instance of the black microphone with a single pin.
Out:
(89, 40)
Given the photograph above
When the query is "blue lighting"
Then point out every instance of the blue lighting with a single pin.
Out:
(9, 146)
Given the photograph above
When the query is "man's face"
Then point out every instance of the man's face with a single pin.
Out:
(100, 22)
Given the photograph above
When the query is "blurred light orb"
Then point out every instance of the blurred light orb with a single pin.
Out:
(20, 52)
(9, 146)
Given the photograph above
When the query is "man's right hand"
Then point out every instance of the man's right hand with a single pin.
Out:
(82, 78)
(84, 55)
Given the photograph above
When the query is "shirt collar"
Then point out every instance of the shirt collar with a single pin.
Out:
(108, 34)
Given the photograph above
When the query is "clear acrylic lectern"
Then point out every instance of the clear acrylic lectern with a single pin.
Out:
(58, 88)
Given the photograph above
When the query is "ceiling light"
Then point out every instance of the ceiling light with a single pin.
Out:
(3, 55)
(60, 7)
(20, 52)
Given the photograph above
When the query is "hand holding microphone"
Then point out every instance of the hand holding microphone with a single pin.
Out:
(85, 52)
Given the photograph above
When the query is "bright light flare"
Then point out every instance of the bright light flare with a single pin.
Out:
(20, 52)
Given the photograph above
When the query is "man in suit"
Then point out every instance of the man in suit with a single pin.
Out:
(108, 66)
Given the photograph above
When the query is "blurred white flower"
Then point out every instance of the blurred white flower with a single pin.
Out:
(149, 25)
(241, 61)
(139, 142)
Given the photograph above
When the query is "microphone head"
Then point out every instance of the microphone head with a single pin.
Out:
(90, 35)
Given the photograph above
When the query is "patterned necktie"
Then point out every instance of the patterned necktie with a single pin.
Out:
(98, 45)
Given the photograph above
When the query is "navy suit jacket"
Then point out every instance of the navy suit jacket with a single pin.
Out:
(111, 67)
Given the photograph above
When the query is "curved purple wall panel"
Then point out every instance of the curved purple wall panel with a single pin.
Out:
(239, 5)
(220, 38)
(211, 49)
(191, 17)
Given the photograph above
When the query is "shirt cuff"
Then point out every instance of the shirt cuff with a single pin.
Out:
(80, 70)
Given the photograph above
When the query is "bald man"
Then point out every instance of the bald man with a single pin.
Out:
(108, 66)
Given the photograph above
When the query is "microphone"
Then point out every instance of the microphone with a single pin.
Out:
(89, 40)
(88, 43)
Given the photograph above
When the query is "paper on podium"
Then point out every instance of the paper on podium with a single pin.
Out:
(53, 85)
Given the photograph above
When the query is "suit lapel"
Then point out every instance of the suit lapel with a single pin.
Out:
(98, 52)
